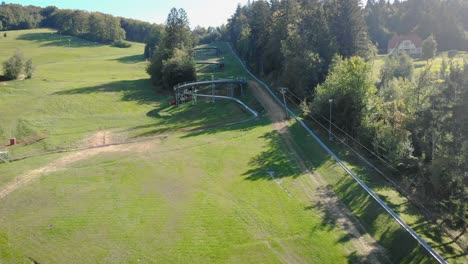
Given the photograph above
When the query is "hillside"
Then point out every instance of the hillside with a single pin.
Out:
(202, 196)
(143, 181)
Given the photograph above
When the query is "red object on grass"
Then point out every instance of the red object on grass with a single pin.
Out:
(12, 141)
(173, 102)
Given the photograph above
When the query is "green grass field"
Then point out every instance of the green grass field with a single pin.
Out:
(195, 196)
(86, 87)
(198, 195)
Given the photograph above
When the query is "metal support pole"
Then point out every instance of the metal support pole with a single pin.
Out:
(330, 130)
(212, 89)
(283, 92)
(194, 95)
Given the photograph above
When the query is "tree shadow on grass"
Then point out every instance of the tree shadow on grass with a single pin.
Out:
(140, 91)
(132, 59)
(275, 158)
(400, 246)
(57, 40)
(203, 118)
(4, 78)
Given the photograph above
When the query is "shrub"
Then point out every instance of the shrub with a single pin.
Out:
(429, 48)
(13, 67)
(178, 69)
(121, 44)
(400, 66)
(28, 69)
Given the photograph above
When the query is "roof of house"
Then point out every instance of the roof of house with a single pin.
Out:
(397, 39)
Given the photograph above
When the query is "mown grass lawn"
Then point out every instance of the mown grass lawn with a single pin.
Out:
(86, 87)
(186, 200)
(200, 196)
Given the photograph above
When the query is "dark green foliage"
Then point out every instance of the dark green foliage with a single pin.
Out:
(208, 35)
(153, 40)
(376, 20)
(429, 48)
(14, 17)
(92, 26)
(442, 131)
(177, 33)
(446, 20)
(121, 44)
(178, 69)
(289, 40)
(397, 66)
(136, 31)
(352, 90)
(172, 60)
(348, 27)
(28, 69)
(13, 67)
(421, 127)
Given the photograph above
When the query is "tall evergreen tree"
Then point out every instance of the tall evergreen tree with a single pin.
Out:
(348, 26)
(172, 61)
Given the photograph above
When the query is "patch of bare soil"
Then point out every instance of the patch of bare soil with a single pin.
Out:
(326, 199)
(99, 143)
(99, 138)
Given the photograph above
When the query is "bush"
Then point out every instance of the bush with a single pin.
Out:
(429, 48)
(121, 44)
(28, 69)
(13, 67)
(400, 66)
(349, 85)
(178, 69)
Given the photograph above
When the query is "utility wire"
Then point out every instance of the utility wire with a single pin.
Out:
(351, 137)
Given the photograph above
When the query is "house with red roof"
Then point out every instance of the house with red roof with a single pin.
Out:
(409, 43)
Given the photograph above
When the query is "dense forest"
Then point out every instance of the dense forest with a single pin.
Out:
(446, 20)
(92, 26)
(413, 122)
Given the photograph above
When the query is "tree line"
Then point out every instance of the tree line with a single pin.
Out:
(323, 50)
(294, 41)
(445, 20)
(417, 124)
(92, 26)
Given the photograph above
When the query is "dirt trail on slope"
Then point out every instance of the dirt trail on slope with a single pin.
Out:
(99, 143)
(325, 198)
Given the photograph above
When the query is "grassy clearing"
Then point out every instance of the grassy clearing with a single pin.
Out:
(84, 88)
(200, 196)
(191, 198)
(419, 64)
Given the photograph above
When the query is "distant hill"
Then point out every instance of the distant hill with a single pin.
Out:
(94, 26)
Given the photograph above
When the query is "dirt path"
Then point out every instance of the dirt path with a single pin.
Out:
(99, 143)
(325, 198)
